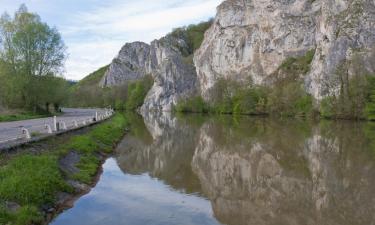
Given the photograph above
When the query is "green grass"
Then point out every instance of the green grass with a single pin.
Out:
(32, 181)
(88, 166)
(25, 215)
(101, 139)
(93, 78)
(17, 117)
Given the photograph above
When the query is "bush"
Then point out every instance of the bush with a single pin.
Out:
(354, 100)
(193, 36)
(298, 65)
(193, 105)
(229, 97)
(370, 101)
(289, 100)
(327, 107)
(249, 101)
(137, 92)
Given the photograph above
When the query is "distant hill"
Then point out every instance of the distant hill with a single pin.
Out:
(86, 92)
(93, 78)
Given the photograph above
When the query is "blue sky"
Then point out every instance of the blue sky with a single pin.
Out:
(95, 30)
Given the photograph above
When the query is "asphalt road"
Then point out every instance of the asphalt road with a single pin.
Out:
(13, 130)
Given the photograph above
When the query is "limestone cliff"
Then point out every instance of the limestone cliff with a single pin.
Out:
(163, 59)
(252, 38)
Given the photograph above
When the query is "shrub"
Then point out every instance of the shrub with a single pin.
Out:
(289, 100)
(370, 101)
(328, 108)
(249, 101)
(137, 92)
(194, 105)
(193, 36)
(297, 65)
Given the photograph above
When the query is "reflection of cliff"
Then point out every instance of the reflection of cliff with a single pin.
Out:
(167, 156)
(276, 173)
(342, 174)
(259, 171)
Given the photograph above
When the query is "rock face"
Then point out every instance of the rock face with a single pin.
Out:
(251, 39)
(173, 78)
(132, 63)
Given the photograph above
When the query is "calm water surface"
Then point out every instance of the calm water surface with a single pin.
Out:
(235, 171)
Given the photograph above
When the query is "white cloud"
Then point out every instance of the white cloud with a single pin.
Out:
(95, 30)
(94, 37)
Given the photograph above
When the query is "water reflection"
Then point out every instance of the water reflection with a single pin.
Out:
(167, 156)
(253, 171)
(120, 199)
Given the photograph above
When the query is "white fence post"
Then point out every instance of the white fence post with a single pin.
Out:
(96, 115)
(26, 133)
(63, 125)
(48, 128)
(54, 123)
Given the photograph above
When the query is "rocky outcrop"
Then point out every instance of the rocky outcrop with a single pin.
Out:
(163, 60)
(250, 39)
(132, 63)
(173, 80)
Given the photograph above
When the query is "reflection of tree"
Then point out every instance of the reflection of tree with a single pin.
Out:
(164, 150)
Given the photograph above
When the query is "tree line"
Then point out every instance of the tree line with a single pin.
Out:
(351, 92)
(32, 56)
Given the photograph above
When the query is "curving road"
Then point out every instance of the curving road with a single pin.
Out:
(10, 131)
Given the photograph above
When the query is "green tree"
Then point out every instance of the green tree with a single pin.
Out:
(29, 49)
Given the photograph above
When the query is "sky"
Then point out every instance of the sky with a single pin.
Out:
(95, 30)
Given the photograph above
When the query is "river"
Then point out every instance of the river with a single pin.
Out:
(234, 170)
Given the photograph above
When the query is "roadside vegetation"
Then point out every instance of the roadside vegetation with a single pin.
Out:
(21, 116)
(32, 182)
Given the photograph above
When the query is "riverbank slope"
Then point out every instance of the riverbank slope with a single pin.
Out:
(38, 182)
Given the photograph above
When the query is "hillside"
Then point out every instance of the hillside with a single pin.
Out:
(92, 79)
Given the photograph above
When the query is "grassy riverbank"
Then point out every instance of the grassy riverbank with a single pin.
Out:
(31, 182)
